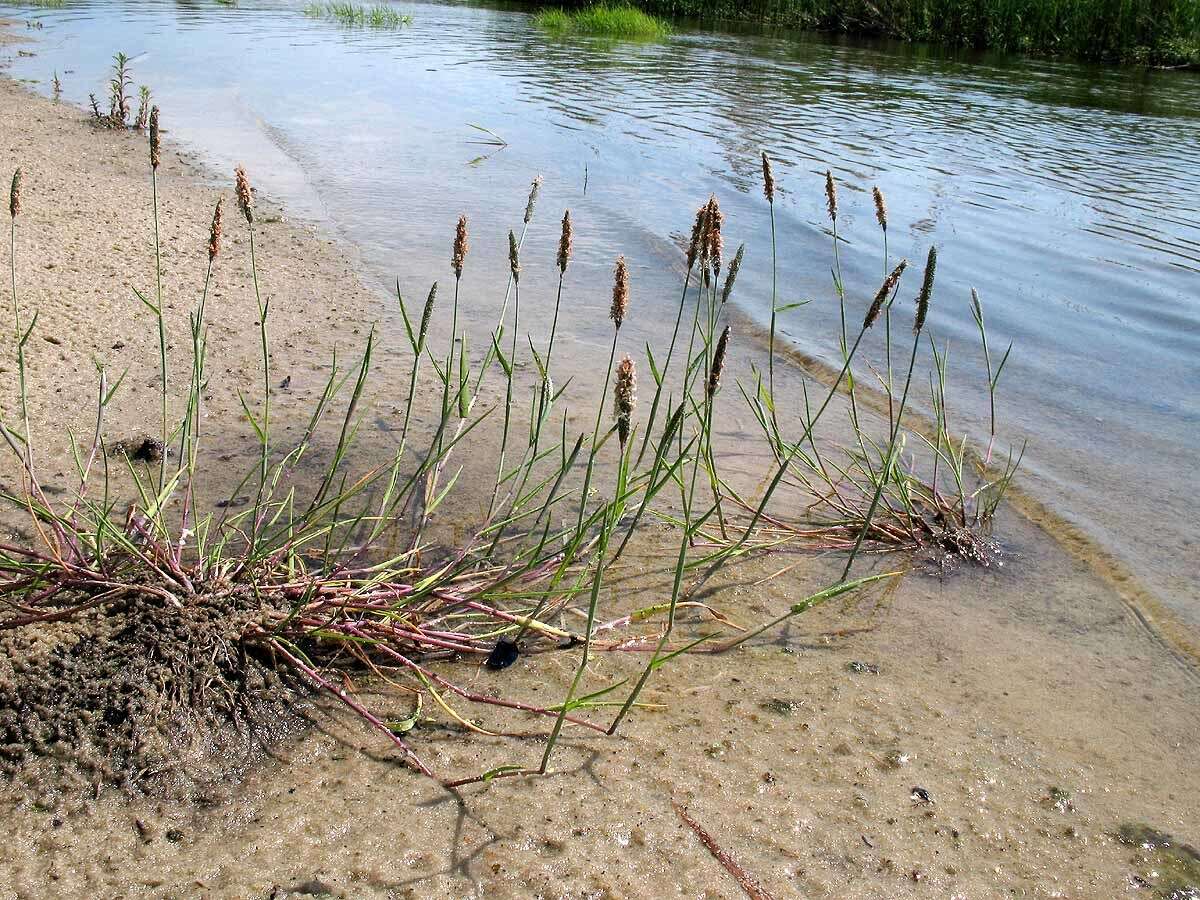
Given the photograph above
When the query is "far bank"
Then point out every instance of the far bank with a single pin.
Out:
(1159, 33)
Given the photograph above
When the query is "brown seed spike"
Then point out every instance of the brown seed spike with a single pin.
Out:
(245, 196)
(880, 208)
(714, 242)
(885, 290)
(14, 195)
(514, 257)
(732, 275)
(768, 178)
(155, 147)
(534, 189)
(460, 247)
(624, 398)
(620, 299)
(831, 196)
(214, 232)
(926, 291)
(718, 363)
(565, 244)
(694, 248)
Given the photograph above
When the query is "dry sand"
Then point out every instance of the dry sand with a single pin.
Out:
(85, 247)
(1033, 709)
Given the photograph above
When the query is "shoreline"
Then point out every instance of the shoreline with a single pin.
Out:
(1176, 635)
(1073, 510)
(990, 688)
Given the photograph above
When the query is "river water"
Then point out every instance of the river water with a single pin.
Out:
(1066, 194)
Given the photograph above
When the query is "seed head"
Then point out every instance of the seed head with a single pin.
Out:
(14, 195)
(534, 189)
(624, 398)
(155, 149)
(426, 315)
(768, 178)
(460, 247)
(696, 246)
(713, 241)
(514, 258)
(245, 197)
(880, 208)
(564, 244)
(831, 196)
(718, 363)
(731, 276)
(214, 232)
(885, 290)
(926, 291)
(620, 300)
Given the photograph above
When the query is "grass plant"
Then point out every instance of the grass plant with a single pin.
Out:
(120, 96)
(119, 87)
(622, 21)
(339, 575)
(378, 15)
(142, 122)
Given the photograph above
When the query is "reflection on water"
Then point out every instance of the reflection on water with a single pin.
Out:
(1065, 194)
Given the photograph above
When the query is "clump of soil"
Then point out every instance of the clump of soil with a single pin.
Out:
(141, 693)
(139, 449)
(954, 546)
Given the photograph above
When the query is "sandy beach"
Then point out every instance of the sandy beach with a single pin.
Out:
(85, 247)
(1014, 731)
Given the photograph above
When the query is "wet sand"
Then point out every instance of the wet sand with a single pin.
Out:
(1028, 703)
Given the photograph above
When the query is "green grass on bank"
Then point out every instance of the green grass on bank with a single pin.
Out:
(375, 16)
(622, 21)
(1163, 32)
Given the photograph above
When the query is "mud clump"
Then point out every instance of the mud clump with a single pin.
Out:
(140, 449)
(952, 547)
(147, 693)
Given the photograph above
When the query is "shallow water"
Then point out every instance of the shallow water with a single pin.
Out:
(1064, 193)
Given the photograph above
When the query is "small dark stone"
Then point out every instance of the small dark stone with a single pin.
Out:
(504, 654)
(312, 888)
(920, 795)
(175, 835)
(780, 706)
(150, 450)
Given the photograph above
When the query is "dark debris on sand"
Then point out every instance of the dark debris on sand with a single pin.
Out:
(145, 449)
